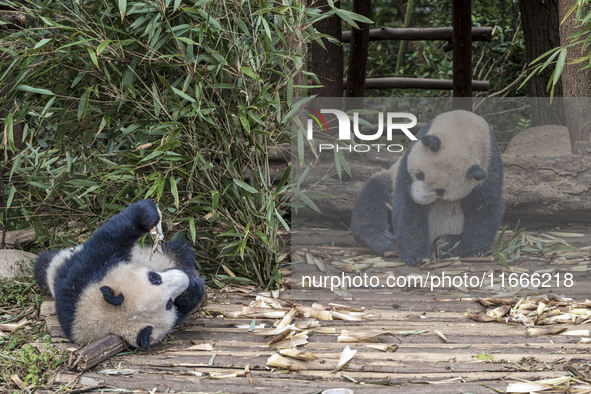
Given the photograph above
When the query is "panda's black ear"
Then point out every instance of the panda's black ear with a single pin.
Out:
(432, 142)
(143, 337)
(111, 297)
(476, 172)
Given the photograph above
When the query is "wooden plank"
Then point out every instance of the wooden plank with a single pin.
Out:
(313, 381)
(288, 383)
(416, 366)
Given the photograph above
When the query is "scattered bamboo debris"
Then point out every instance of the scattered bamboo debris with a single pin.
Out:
(205, 347)
(298, 354)
(440, 335)
(291, 340)
(564, 384)
(383, 347)
(278, 361)
(368, 336)
(346, 356)
(11, 327)
(536, 311)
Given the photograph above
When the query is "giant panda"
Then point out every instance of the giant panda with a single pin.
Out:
(448, 185)
(112, 285)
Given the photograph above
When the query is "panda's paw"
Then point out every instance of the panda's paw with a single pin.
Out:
(148, 215)
(415, 262)
(380, 243)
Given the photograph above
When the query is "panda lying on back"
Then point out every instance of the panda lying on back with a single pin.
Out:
(109, 284)
(448, 185)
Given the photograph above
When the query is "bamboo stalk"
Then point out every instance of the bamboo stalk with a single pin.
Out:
(96, 352)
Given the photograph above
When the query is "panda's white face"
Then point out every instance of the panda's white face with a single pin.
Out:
(130, 299)
(451, 165)
(447, 182)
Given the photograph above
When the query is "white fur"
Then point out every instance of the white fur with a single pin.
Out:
(445, 217)
(144, 304)
(57, 261)
(465, 141)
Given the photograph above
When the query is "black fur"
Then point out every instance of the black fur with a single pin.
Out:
(432, 142)
(486, 206)
(110, 296)
(190, 298)
(41, 265)
(371, 218)
(410, 220)
(143, 337)
(476, 172)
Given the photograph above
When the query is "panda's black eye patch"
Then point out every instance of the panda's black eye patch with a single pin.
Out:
(169, 304)
(155, 278)
(440, 192)
(420, 176)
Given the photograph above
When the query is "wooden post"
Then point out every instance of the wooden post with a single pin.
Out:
(327, 59)
(462, 53)
(359, 49)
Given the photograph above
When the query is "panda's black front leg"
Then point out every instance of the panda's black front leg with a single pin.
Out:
(190, 298)
(481, 221)
(413, 243)
(371, 219)
(411, 224)
(410, 221)
(120, 233)
(182, 254)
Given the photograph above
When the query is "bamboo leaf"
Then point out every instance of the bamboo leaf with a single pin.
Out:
(83, 103)
(183, 95)
(122, 7)
(10, 197)
(245, 186)
(192, 229)
(175, 191)
(26, 88)
(102, 46)
(559, 66)
(42, 43)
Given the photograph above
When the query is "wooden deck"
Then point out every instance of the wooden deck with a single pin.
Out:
(438, 348)
(477, 357)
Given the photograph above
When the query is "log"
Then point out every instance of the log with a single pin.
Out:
(537, 191)
(418, 83)
(96, 352)
(16, 238)
(420, 34)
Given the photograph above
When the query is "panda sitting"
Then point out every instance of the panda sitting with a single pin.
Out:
(111, 285)
(447, 187)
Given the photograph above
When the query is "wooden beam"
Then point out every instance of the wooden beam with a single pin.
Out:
(419, 34)
(462, 52)
(418, 83)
